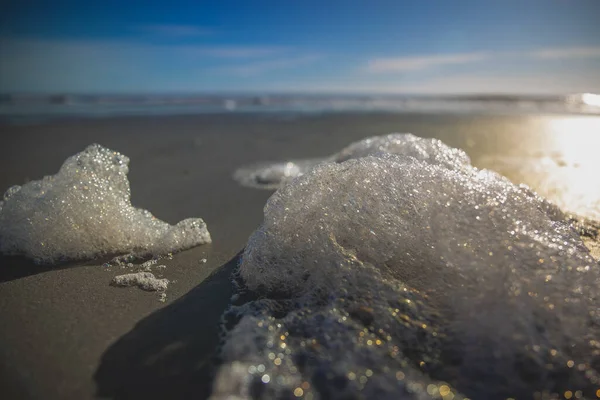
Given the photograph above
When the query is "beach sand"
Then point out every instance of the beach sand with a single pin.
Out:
(67, 334)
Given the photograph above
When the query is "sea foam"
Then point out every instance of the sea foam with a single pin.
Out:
(271, 175)
(144, 280)
(433, 151)
(85, 211)
(394, 276)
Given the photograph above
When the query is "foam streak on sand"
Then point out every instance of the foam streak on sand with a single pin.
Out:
(143, 280)
(85, 211)
(395, 277)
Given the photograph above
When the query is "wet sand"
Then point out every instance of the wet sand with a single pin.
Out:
(67, 334)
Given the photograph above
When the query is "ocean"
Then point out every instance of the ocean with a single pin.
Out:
(23, 108)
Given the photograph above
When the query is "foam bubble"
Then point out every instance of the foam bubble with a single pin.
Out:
(390, 277)
(143, 280)
(273, 175)
(432, 151)
(85, 211)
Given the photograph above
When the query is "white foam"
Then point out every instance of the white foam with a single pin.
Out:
(273, 175)
(390, 277)
(432, 151)
(143, 280)
(147, 265)
(85, 211)
(375, 202)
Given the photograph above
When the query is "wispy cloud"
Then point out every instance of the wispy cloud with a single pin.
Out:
(568, 52)
(97, 65)
(232, 51)
(261, 67)
(415, 63)
(402, 64)
(176, 30)
(132, 65)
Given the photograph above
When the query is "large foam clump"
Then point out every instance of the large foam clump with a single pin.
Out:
(433, 151)
(389, 277)
(85, 211)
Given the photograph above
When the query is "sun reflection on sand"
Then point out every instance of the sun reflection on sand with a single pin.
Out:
(562, 163)
(577, 139)
(591, 99)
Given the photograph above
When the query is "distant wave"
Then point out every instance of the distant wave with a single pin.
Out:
(65, 105)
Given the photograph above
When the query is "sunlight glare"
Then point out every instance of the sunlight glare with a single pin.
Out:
(576, 139)
(591, 99)
(572, 180)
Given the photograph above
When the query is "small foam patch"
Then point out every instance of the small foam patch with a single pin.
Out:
(143, 280)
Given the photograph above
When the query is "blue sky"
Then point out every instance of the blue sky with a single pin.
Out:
(426, 46)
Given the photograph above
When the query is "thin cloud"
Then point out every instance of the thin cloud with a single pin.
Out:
(415, 63)
(403, 64)
(262, 67)
(568, 52)
(176, 30)
(232, 51)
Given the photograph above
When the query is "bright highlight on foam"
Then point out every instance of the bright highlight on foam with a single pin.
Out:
(84, 211)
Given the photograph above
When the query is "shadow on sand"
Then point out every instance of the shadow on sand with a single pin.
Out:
(171, 353)
(16, 267)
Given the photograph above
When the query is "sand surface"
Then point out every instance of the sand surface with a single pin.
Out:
(67, 334)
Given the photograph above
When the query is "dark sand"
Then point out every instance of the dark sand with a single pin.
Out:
(67, 334)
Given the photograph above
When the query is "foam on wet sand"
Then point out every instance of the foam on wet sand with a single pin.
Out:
(395, 276)
(143, 280)
(84, 211)
(272, 175)
(434, 151)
